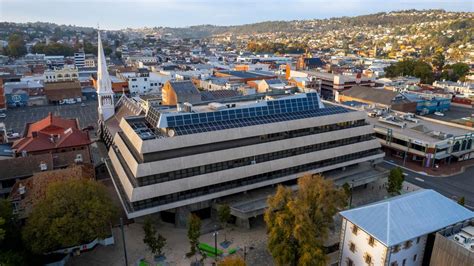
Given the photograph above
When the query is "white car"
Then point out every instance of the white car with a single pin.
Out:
(438, 113)
(3, 115)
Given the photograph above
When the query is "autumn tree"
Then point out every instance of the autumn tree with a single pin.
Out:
(298, 224)
(194, 231)
(72, 212)
(232, 261)
(155, 241)
(395, 181)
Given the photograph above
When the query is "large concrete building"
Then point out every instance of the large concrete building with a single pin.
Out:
(178, 160)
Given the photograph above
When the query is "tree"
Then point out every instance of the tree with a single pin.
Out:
(2, 231)
(298, 224)
(16, 45)
(223, 213)
(232, 261)
(395, 181)
(155, 242)
(438, 60)
(462, 201)
(71, 213)
(194, 231)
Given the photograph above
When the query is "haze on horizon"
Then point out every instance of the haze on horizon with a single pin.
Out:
(119, 14)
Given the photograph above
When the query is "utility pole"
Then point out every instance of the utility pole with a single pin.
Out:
(123, 240)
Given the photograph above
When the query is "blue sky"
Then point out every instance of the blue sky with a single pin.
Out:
(117, 14)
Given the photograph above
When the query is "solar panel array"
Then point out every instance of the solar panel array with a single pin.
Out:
(272, 108)
(275, 111)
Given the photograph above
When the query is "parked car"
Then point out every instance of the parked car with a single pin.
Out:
(438, 113)
(83, 105)
(2, 115)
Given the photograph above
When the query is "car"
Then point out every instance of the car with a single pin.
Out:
(438, 114)
(3, 115)
(83, 105)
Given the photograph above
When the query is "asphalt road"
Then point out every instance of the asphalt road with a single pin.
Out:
(454, 187)
(18, 117)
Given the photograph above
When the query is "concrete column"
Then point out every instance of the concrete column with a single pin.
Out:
(242, 222)
(181, 217)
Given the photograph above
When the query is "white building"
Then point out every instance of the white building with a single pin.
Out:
(67, 73)
(398, 231)
(465, 88)
(79, 59)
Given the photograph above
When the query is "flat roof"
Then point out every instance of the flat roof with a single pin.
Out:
(424, 130)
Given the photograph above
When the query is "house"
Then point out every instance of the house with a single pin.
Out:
(399, 230)
(180, 92)
(27, 193)
(54, 135)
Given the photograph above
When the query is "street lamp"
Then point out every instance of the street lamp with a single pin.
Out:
(215, 242)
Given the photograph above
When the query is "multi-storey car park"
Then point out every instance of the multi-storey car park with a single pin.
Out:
(191, 155)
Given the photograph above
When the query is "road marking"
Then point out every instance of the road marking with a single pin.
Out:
(419, 179)
(470, 207)
(405, 174)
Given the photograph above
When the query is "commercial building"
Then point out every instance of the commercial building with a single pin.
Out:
(176, 160)
(67, 73)
(79, 59)
(454, 245)
(425, 141)
(398, 231)
(175, 92)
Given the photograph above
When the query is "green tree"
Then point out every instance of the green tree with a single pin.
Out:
(16, 45)
(395, 181)
(71, 213)
(223, 213)
(462, 201)
(194, 231)
(155, 242)
(2, 231)
(438, 60)
(298, 224)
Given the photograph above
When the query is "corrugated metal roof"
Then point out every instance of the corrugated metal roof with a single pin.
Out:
(398, 219)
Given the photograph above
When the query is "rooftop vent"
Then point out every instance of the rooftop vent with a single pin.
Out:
(217, 106)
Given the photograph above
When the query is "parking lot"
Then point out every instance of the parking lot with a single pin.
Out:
(455, 112)
(18, 117)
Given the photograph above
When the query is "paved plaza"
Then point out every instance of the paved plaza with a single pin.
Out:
(254, 240)
(18, 117)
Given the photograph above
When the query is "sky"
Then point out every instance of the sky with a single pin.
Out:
(119, 14)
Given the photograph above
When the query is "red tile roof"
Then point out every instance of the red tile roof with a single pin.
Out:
(51, 132)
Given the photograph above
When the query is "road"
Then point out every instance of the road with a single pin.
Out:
(456, 186)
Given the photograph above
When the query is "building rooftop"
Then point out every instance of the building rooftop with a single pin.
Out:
(226, 115)
(424, 131)
(398, 219)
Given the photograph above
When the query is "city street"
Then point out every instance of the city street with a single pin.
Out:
(18, 117)
(456, 186)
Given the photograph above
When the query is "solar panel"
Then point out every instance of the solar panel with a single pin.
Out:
(236, 123)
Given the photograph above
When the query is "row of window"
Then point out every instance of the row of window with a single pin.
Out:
(188, 194)
(220, 166)
(216, 146)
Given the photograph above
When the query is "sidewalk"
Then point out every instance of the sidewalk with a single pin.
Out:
(444, 170)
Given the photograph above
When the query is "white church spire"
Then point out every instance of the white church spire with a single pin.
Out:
(104, 85)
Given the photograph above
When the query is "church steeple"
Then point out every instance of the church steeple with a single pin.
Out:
(104, 85)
